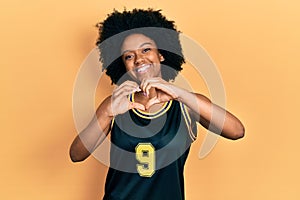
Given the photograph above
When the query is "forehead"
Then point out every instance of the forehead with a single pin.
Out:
(136, 41)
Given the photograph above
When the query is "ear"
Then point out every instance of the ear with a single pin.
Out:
(161, 58)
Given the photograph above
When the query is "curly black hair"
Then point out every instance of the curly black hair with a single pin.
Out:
(150, 23)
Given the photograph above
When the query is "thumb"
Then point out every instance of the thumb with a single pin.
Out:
(136, 105)
(152, 102)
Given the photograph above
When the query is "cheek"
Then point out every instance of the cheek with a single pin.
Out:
(128, 65)
(155, 58)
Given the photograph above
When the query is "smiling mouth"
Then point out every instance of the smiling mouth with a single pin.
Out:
(143, 68)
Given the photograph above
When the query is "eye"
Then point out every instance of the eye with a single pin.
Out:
(145, 50)
(128, 57)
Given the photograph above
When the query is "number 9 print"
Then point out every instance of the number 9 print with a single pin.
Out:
(145, 155)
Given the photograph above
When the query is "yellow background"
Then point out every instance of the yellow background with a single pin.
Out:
(255, 45)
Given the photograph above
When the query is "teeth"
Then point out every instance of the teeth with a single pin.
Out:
(143, 68)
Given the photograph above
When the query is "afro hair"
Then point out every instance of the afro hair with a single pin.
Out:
(151, 23)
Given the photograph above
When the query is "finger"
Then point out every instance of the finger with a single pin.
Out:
(146, 85)
(135, 105)
(146, 81)
(164, 87)
(152, 102)
(142, 85)
(126, 89)
(127, 84)
(125, 92)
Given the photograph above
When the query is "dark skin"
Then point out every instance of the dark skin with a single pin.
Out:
(142, 61)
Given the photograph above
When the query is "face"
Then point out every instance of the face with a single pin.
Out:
(141, 57)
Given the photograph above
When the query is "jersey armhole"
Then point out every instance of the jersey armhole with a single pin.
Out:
(188, 121)
(112, 122)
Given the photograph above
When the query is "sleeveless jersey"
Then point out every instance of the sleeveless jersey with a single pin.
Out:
(148, 152)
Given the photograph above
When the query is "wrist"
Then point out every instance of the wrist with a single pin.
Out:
(181, 94)
(105, 109)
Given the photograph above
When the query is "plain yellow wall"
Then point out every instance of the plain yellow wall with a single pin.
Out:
(255, 45)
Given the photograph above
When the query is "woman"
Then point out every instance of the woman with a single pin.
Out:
(152, 122)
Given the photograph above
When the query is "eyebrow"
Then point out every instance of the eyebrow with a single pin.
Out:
(146, 43)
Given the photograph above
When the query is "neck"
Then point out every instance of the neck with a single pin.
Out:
(152, 93)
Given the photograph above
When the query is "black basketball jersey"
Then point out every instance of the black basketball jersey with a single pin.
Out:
(148, 153)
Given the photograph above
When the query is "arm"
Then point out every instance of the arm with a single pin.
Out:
(212, 116)
(99, 127)
(93, 135)
(209, 115)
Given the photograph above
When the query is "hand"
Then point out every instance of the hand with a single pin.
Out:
(165, 91)
(119, 100)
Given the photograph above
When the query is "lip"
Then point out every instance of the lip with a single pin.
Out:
(143, 68)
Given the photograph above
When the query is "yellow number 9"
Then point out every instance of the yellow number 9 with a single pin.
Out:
(145, 154)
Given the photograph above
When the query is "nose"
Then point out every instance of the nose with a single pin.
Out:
(139, 59)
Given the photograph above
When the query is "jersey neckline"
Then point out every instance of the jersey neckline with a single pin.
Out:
(150, 115)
